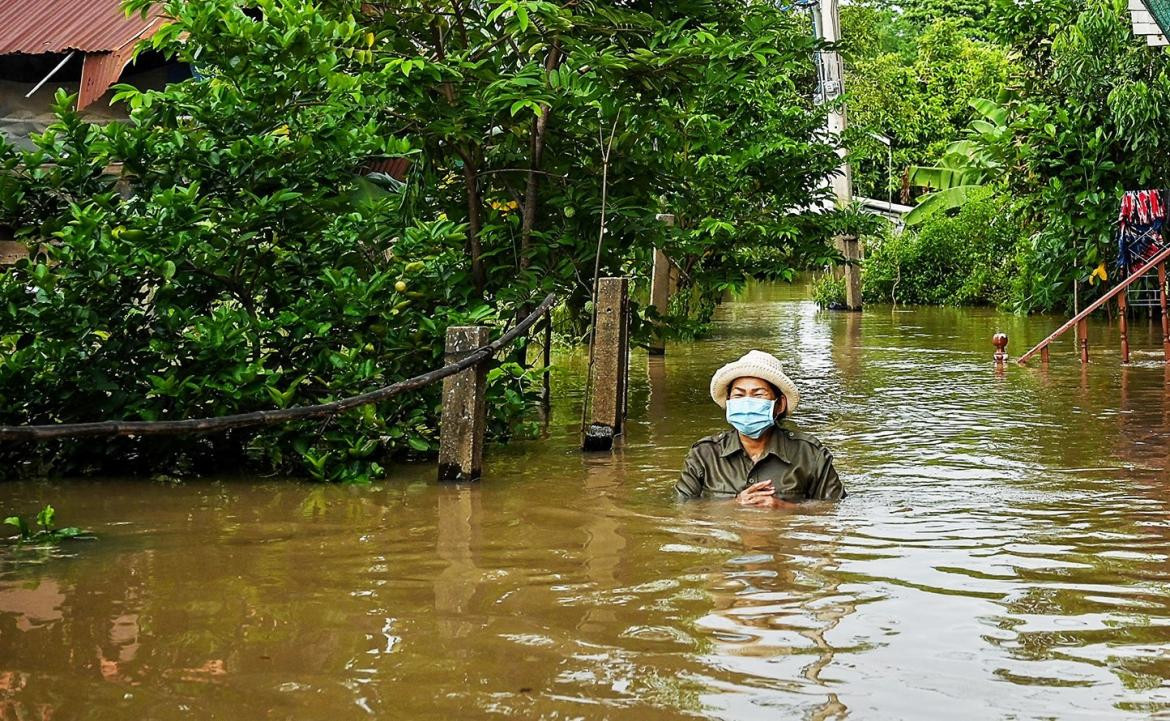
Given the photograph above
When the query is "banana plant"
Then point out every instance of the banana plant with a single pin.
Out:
(966, 165)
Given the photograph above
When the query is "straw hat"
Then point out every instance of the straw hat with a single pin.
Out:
(756, 364)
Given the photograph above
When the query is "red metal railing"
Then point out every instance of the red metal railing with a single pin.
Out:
(1155, 263)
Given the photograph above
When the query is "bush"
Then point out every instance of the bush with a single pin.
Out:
(248, 266)
(828, 292)
(962, 259)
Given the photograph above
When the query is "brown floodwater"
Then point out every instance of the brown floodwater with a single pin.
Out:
(1002, 554)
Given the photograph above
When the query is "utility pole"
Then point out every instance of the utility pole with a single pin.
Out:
(830, 86)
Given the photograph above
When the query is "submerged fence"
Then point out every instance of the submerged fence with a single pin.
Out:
(461, 434)
(463, 415)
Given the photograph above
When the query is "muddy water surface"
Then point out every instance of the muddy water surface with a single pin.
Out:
(1002, 554)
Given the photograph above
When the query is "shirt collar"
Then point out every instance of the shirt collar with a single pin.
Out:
(777, 444)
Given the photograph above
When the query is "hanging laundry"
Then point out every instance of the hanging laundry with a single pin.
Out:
(1139, 228)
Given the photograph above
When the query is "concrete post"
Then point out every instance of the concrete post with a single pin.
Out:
(659, 297)
(849, 247)
(608, 365)
(464, 414)
(662, 279)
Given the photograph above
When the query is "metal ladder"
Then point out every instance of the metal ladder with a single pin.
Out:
(1144, 293)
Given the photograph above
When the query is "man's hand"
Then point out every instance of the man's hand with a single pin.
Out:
(761, 495)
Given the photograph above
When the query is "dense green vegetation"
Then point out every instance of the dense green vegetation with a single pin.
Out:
(1080, 109)
(243, 260)
(965, 259)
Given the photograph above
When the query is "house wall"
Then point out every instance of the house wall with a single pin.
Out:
(20, 116)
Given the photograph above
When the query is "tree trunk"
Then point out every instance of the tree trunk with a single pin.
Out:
(536, 150)
(474, 223)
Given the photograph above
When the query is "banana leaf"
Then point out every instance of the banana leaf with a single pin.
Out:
(940, 201)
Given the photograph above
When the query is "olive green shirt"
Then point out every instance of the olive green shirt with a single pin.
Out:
(799, 467)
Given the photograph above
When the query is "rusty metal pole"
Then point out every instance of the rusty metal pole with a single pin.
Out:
(463, 418)
(609, 362)
(1165, 317)
(1123, 325)
(1083, 335)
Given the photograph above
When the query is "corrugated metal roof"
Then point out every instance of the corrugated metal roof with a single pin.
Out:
(55, 26)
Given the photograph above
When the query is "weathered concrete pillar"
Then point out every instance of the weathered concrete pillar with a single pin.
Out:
(663, 280)
(850, 250)
(609, 360)
(463, 420)
(660, 289)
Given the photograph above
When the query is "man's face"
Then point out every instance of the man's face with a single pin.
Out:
(749, 387)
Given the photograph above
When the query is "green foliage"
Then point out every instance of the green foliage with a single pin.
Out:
(966, 164)
(1080, 111)
(828, 292)
(966, 259)
(972, 15)
(45, 533)
(916, 90)
(1091, 125)
(243, 271)
(240, 261)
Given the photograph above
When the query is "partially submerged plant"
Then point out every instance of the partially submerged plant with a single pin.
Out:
(45, 533)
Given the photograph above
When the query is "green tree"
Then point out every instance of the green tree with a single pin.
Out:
(1089, 125)
(242, 261)
(966, 165)
(918, 97)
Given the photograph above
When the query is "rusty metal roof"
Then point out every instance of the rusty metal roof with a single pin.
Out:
(55, 26)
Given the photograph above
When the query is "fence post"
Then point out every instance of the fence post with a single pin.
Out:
(849, 271)
(1083, 333)
(1123, 325)
(659, 297)
(546, 381)
(1165, 318)
(463, 420)
(661, 287)
(608, 365)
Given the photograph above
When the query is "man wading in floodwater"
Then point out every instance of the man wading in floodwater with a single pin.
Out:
(758, 462)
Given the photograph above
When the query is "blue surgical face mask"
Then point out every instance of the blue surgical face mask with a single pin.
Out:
(751, 416)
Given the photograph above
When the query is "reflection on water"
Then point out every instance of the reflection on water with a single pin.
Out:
(1002, 554)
